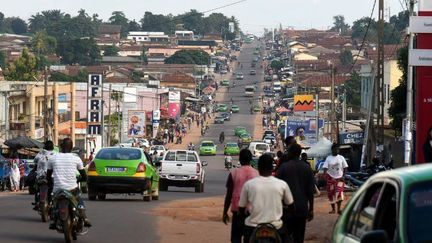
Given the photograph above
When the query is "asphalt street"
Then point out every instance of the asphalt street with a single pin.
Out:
(122, 218)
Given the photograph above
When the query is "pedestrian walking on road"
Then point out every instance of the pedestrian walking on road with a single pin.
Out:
(300, 179)
(235, 181)
(334, 167)
(14, 164)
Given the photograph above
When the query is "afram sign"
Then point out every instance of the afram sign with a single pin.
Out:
(95, 104)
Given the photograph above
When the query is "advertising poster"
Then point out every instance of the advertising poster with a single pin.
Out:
(174, 110)
(136, 123)
(302, 130)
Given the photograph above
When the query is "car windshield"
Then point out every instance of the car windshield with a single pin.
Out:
(207, 144)
(261, 147)
(160, 147)
(181, 156)
(245, 135)
(219, 118)
(420, 213)
(231, 145)
(119, 154)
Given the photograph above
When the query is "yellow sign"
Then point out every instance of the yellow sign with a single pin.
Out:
(303, 102)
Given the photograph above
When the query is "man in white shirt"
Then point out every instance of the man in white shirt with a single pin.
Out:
(41, 161)
(62, 168)
(264, 197)
(334, 168)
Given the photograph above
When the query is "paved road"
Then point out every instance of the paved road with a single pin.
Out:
(128, 218)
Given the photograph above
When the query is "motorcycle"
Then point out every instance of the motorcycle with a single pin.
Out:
(66, 215)
(228, 164)
(44, 202)
(191, 147)
(265, 233)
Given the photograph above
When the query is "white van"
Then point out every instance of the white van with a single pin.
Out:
(258, 148)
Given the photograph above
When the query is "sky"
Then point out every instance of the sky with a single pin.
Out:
(254, 15)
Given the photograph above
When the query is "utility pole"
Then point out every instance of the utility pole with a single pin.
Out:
(317, 114)
(409, 99)
(333, 110)
(109, 116)
(380, 77)
(46, 115)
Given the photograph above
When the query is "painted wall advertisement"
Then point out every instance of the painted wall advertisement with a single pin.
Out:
(136, 123)
(302, 130)
(174, 104)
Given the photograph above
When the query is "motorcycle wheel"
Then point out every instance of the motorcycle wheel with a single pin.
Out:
(67, 230)
(44, 212)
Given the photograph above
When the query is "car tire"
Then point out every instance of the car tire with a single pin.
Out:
(91, 195)
(101, 196)
(199, 187)
(147, 198)
(163, 186)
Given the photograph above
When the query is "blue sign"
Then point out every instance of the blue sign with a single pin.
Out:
(351, 138)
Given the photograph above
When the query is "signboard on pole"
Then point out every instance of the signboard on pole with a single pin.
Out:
(174, 104)
(94, 113)
(304, 103)
(302, 130)
(136, 123)
(420, 24)
(351, 138)
(420, 57)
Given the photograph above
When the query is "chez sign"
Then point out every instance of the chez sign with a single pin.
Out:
(95, 104)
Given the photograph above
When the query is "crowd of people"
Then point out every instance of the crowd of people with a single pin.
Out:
(281, 196)
(13, 172)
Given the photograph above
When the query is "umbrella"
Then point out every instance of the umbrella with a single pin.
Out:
(23, 142)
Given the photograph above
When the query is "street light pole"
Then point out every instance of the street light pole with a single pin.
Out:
(409, 99)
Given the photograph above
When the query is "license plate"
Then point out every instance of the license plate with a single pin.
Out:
(115, 169)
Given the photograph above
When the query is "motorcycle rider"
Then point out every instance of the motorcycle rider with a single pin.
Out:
(191, 146)
(41, 161)
(61, 171)
(265, 197)
(222, 137)
(228, 161)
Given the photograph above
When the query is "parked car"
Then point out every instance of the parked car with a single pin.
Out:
(258, 148)
(219, 120)
(222, 107)
(223, 71)
(239, 131)
(122, 170)
(235, 109)
(226, 116)
(231, 149)
(182, 168)
(134, 141)
(252, 72)
(391, 206)
(207, 148)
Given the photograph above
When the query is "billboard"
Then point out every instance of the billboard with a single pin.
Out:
(136, 123)
(94, 104)
(174, 110)
(302, 130)
(304, 103)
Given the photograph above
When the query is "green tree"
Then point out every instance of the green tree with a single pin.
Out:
(134, 26)
(359, 29)
(339, 24)
(43, 44)
(276, 65)
(400, 21)
(158, 22)
(346, 57)
(2, 59)
(2, 23)
(119, 18)
(353, 90)
(111, 50)
(17, 25)
(197, 57)
(397, 110)
(192, 20)
(44, 20)
(23, 69)
(79, 51)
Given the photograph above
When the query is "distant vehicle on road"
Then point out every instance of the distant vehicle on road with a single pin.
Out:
(134, 143)
(226, 116)
(249, 90)
(268, 78)
(258, 148)
(245, 138)
(239, 76)
(231, 149)
(277, 86)
(235, 108)
(182, 168)
(225, 82)
(219, 120)
(239, 131)
(160, 149)
(207, 148)
(222, 107)
(223, 71)
(252, 72)
(122, 170)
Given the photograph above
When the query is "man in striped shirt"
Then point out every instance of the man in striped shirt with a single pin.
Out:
(62, 168)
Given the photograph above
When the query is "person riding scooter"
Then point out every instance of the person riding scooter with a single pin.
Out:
(191, 146)
(228, 162)
(222, 137)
